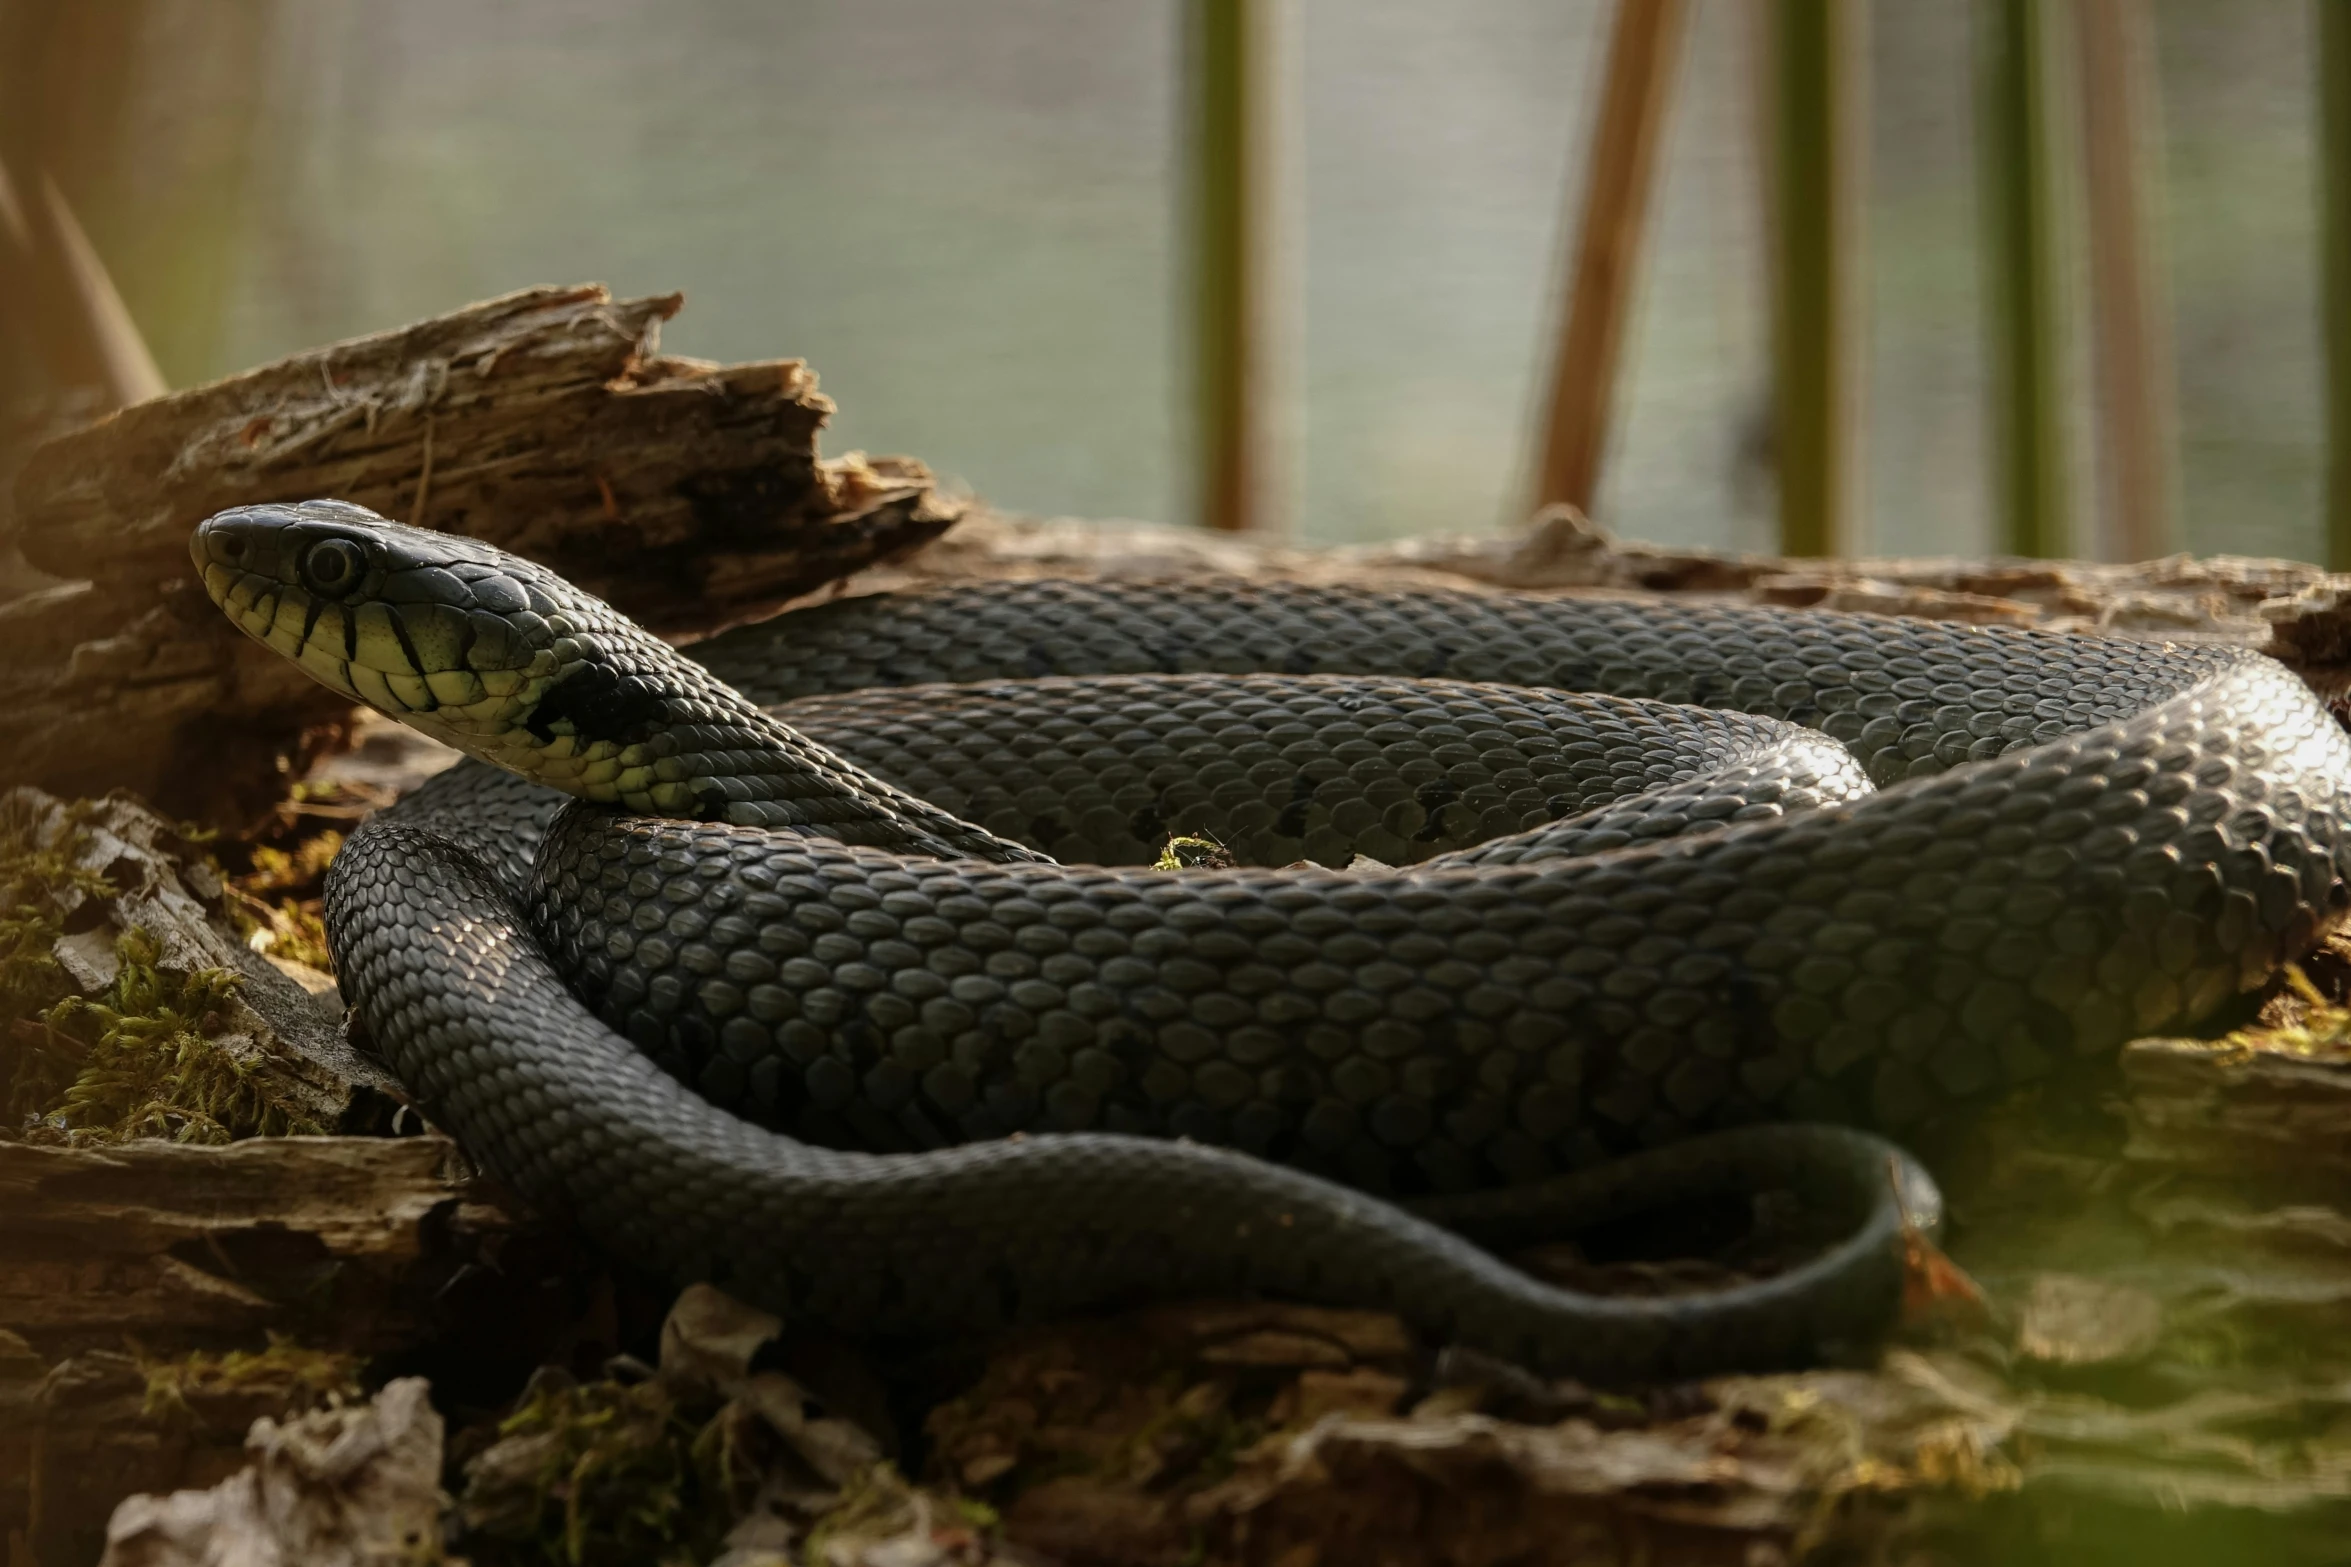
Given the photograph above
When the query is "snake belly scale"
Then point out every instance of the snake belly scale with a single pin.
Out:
(791, 996)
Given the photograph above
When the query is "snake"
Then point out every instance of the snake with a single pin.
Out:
(832, 960)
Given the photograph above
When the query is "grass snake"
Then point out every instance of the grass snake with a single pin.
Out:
(836, 981)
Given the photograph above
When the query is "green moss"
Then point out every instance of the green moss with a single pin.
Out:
(37, 886)
(306, 1377)
(1186, 853)
(878, 1505)
(275, 903)
(582, 1475)
(617, 1473)
(2324, 1027)
(141, 1065)
(131, 1062)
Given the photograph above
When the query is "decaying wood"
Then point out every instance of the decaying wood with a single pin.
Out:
(1266, 1434)
(2297, 612)
(775, 1471)
(76, 1437)
(2270, 1104)
(2229, 1108)
(287, 1040)
(174, 1245)
(115, 1260)
(1619, 175)
(688, 493)
(177, 1245)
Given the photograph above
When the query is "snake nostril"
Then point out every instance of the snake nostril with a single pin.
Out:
(233, 547)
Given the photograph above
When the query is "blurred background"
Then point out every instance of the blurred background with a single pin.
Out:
(1859, 276)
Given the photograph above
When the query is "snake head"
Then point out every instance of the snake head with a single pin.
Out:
(478, 648)
(446, 634)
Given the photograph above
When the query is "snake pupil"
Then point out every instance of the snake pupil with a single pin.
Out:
(332, 565)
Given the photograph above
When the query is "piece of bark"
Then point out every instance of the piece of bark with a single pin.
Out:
(26, 424)
(2293, 610)
(690, 494)
(171, 1248)
(175, 1245)
(288, 1042)
(2232, 1107)
(77, 1437)
(1272, 1434)
(336, 1251)
(2068, 1319)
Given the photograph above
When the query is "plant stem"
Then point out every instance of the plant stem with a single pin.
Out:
(2021, 295)
(1811, 288)
(1620, 174)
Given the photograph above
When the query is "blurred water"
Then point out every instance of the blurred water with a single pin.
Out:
(967, 218)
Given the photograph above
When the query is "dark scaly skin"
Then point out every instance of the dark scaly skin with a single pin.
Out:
(1281, 768)
(2140, 829)
(478, 1024)
(1277, 769)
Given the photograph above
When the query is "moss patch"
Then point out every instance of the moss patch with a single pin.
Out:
(276, 905)
(2309, 1022)
(276, 900)
(607, 1472)
(39, 885)
(290, 1377)
(880, 1516)
(1186, 853)
(137, 1062)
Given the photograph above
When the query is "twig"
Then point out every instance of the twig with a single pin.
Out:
(129, 369)
(1816, 148)
(2130, 341)
(1620, 174)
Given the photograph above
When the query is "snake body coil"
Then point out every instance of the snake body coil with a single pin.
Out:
(779, 1027)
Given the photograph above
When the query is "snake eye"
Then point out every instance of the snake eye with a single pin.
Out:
(333, 566)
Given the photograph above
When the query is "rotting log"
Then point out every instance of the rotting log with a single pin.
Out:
(547, 422)
(2230, 1108)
